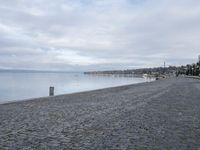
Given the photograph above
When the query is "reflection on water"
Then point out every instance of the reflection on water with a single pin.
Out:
(20, 85)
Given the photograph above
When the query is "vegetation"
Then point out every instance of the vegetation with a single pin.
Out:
(192, 70)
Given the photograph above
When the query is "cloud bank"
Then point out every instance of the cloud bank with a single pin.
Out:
(75, 35)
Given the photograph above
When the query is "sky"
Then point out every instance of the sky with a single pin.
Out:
(86, 35)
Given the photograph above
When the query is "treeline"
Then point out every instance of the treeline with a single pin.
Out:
(193, 70)
(157, 70)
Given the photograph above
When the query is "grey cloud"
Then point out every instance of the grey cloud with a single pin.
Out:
(101, 34)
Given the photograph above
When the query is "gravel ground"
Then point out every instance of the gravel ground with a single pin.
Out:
(164, 114)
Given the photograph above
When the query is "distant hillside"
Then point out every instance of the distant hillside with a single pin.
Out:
(193, 69)
(159, 70)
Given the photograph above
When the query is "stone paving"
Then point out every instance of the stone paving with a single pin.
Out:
(164, 114)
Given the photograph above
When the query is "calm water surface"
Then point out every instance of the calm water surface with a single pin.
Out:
(20, 85)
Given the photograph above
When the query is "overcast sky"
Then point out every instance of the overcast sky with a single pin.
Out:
(74, 35)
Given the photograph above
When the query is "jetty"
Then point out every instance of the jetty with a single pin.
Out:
(164, 114)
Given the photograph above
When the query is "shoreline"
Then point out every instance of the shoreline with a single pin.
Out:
(45, 97)
(156, 115)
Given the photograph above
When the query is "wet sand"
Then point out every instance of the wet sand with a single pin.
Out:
(164, 114)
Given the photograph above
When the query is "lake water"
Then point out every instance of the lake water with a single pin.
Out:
(25, 85)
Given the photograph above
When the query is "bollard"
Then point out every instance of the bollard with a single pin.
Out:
(51, 91)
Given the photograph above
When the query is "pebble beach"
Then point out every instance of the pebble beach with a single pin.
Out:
(163, 114)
